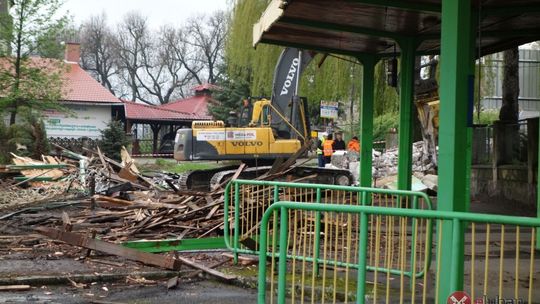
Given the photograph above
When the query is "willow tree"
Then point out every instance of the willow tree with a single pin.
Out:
(336, 79)
(386, 97)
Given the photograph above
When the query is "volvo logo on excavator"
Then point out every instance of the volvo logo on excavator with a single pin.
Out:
(290, 76)
(247, 143)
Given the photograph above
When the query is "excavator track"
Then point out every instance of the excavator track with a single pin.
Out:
(207, 180)
(249, 173)
(199, 180)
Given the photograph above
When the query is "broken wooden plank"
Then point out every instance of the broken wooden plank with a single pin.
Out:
(235, 176)
(105, 262)
(211, 213)
(112, 200)
(244, 261)
(196, 273)
(97, 245)
(172, 282)
(92, 301)
(14, 287)
(66, 222)
(210, 271)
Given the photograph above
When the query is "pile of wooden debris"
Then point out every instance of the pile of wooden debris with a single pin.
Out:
(122, 204)
(30, 181)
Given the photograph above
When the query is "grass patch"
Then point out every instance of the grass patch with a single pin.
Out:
(172, 166)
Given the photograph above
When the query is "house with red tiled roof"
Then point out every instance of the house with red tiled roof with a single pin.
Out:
(157, 140)
(164, 120)
(195, 105)
(90, 105)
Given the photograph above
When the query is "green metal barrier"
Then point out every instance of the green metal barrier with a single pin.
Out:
(246, 225)
(177, 244)
(457, 220)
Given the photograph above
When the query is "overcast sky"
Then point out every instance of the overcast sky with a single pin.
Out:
(159, 12)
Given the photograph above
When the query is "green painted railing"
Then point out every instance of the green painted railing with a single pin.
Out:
(457, 221)
(363, 193)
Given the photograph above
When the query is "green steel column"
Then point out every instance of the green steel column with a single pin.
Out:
(406, 82)
(455, 56)
(366, 119)
(472, 68)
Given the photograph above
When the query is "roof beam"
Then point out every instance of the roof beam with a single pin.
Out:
(341, 28)
(510, 10)
(406, 5)
(512, 34)
(338, 51)
(309, 47)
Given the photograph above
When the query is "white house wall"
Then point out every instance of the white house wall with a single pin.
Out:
(81, 121)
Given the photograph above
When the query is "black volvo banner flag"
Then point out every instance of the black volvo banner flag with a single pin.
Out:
(290, 65)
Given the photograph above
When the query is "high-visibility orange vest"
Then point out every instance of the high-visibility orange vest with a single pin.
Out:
(354, 145)
(327, 147)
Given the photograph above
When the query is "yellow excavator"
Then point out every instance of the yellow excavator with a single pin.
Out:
(267, 129)
(249, 141)
(427, 102)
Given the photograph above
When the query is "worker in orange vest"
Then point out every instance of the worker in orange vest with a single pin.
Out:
(327, 149)
(354, 145)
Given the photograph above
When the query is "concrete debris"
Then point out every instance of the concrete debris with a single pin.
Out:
(431, 181)
(386, 164)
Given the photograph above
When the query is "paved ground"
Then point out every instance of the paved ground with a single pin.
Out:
(197, 292)
(23, 253)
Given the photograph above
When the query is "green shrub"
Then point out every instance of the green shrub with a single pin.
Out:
(29, 134)
(383, 124)
(486, 117)
(112, 140)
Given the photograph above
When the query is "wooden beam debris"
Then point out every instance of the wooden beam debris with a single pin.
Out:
(110, 248)
(210, 271)
(15, 288)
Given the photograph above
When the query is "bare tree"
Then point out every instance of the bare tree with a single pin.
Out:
(98, 54)
(207, 36)
(181, 51)
(153, 66)
(165, 68)
(132, 37)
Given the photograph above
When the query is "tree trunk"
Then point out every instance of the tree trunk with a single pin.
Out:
(509, 112)
(12, 117)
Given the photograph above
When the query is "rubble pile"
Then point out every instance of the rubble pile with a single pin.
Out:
(117, 204)
(346, 160)
(30, 181)
(386, 164)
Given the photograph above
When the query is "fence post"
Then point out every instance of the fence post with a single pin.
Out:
(282, 267)
(456, 278)
(317, 235)
(362, 260)
(236, 221)
(262, 259)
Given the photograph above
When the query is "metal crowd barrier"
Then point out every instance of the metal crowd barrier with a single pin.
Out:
(500, 262)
